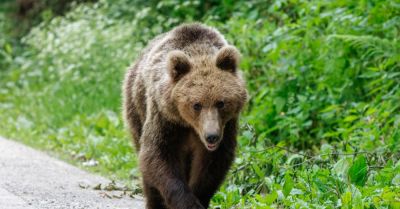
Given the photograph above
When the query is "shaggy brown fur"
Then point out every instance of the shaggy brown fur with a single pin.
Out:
(182, 100)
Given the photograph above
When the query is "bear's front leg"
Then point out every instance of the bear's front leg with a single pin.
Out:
(159, 164)
(153, 197)
(162, 178)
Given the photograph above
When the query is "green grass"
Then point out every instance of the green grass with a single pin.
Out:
(321, 129)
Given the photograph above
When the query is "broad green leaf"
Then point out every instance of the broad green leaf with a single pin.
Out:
(279, 103)
(8, 48)
(350, 118)
(357, 202)
(358, 171)
(341, 167)
(288, 186)
(258, 171)
(346, 198)
(271, 197)
(396, 180)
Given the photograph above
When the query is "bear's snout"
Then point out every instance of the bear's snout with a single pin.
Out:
(211, 128)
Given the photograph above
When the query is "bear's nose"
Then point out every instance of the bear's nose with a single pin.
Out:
(212, 138)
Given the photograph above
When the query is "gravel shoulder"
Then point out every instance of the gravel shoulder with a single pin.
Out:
(31, 179)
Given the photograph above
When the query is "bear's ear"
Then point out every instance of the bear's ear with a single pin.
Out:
(228, 58)
(178, 64)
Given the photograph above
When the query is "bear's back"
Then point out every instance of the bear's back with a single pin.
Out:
(194, 34)
(194, 39)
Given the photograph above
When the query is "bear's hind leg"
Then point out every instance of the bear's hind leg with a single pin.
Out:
(131, 106)
(135, 127)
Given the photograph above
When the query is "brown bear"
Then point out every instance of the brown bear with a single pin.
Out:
(182, 100)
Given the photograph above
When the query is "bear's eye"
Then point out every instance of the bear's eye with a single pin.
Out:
(220, 104)
(197, 106)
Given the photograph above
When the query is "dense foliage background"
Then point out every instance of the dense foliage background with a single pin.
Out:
(321, 129)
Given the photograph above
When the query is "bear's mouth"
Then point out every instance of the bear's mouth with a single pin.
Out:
(212, 147)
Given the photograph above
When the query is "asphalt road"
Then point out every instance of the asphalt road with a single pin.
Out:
(30, 179)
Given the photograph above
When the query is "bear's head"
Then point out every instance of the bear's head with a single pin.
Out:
(208, 91)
